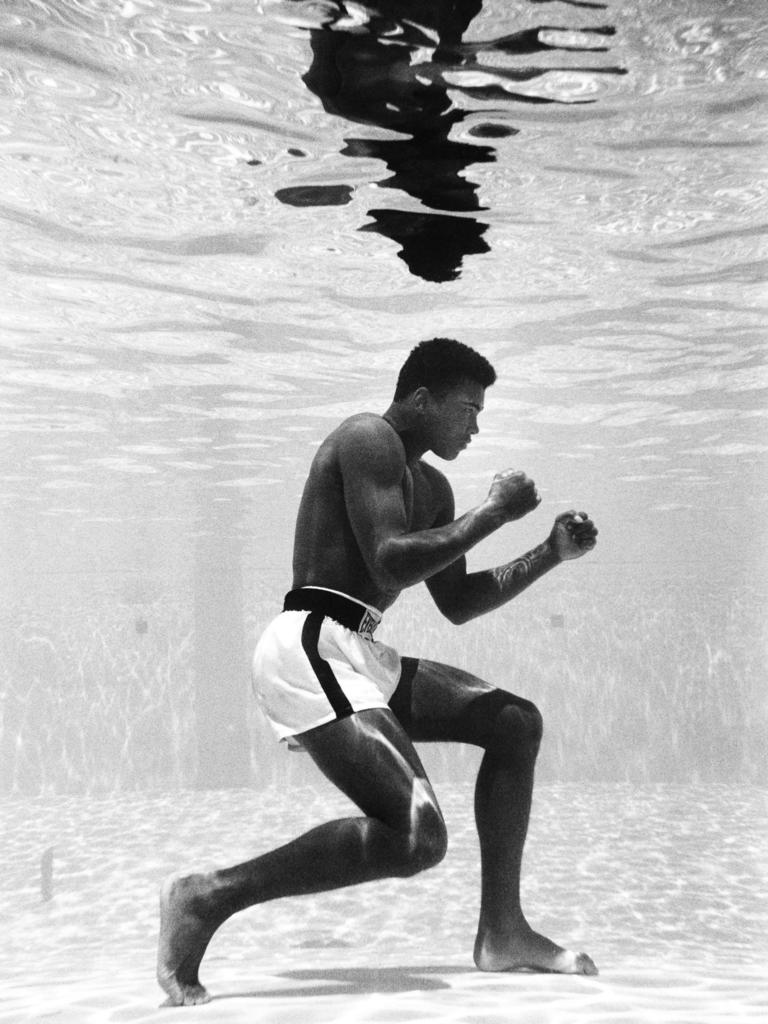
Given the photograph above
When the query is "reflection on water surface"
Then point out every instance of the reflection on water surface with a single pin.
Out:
(391, 66)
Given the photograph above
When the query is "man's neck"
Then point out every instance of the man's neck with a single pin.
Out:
(404, 424)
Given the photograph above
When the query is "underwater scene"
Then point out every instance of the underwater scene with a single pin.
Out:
(226, 223)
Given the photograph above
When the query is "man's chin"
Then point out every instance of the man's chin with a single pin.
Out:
(448, 454)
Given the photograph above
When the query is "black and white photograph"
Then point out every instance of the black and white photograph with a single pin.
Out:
(383, 567)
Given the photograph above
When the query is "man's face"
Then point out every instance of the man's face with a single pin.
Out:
(452, 420)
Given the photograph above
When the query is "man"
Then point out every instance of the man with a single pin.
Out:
(374, 519)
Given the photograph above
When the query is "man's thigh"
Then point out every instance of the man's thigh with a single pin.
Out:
(438, 702)
(371, 759)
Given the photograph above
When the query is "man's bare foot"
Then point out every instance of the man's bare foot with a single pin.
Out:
(185, 932)
(525, 949)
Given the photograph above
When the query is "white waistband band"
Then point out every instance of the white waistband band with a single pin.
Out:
(377, 615)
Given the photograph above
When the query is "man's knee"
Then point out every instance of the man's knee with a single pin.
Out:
(425, 845)
(519, 727)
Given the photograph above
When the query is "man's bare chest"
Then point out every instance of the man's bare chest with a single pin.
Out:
(419, 499)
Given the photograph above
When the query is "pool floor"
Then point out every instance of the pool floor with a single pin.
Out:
(663, 885)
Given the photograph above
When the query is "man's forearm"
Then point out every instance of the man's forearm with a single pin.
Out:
(415, 557)
(491, 588)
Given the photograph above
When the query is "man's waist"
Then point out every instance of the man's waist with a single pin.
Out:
(351, 613)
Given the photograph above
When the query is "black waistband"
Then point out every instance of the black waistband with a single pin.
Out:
(342, 609)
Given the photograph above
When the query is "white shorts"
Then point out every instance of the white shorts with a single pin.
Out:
(309, 669)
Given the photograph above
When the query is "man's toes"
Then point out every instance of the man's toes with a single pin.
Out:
(197, 996)
(585, 964)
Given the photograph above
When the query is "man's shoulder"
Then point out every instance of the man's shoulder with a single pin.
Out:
(366, 428)
(365, 436)
(364, 423)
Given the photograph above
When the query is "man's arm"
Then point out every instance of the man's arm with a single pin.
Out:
(373, 468)
(462, 596)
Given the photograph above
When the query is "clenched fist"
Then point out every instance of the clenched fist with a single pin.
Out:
(513, 494)
(573, 535)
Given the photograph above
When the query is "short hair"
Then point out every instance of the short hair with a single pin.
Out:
(440, 364)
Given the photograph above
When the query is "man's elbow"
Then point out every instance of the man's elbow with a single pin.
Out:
(394, 568)
(389, 573)
(456, 613)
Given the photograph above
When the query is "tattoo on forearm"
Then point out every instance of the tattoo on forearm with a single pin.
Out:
(522, 571)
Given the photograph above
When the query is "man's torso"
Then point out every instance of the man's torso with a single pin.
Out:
(326, 552)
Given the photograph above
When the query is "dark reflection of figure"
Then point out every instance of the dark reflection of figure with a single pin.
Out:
(368, 78)
(385, 66)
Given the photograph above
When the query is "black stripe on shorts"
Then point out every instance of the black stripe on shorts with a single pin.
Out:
(310, 635)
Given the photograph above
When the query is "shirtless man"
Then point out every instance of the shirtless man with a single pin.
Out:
(374, 519)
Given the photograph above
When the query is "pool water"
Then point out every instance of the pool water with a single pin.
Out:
(225, 223)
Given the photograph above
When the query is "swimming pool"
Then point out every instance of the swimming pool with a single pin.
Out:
(201, 280)
(225, 223)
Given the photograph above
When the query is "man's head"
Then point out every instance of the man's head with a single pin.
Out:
(440, 364)
(442, 385)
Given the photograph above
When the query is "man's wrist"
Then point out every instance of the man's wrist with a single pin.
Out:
(491, 515)
(551, 554)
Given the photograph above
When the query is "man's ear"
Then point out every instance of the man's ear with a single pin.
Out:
(421, 398)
